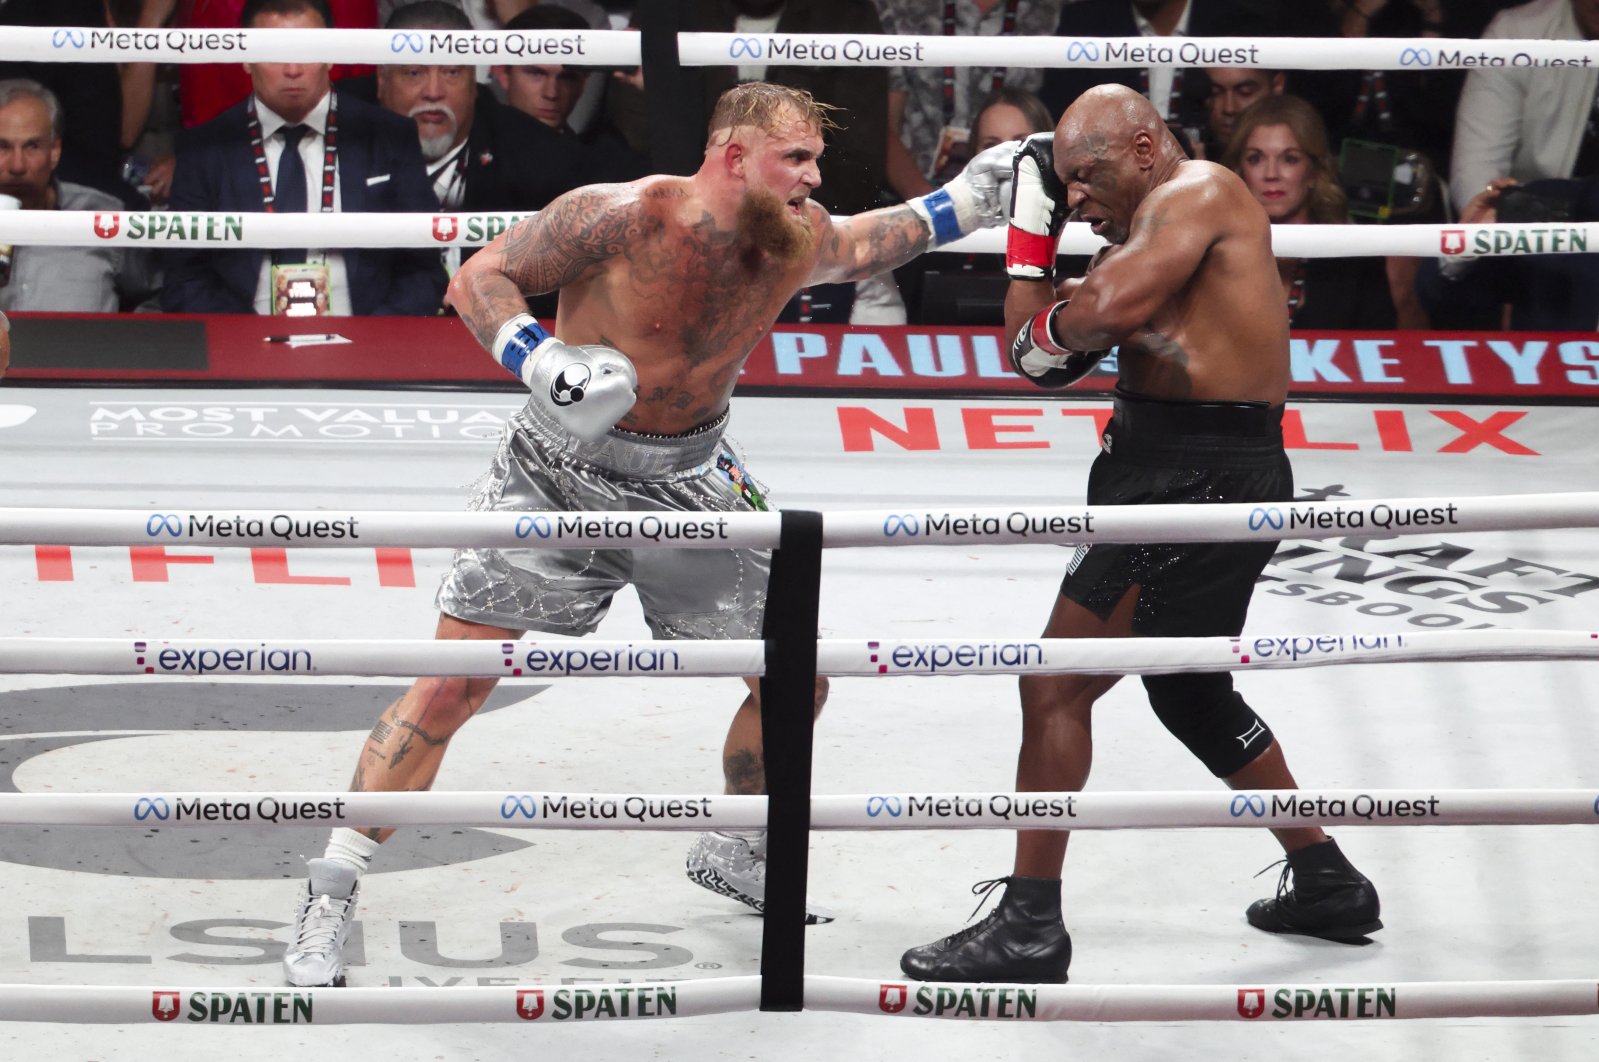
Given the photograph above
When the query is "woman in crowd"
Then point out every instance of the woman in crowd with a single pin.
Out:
(1279, 147)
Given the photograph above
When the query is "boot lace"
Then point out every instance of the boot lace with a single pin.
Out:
(1283, 888)
(982, 890)
(319, 929)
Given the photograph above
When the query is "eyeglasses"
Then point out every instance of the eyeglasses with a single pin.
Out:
(415, 75)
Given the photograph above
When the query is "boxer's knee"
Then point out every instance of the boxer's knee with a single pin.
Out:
(1207, 715)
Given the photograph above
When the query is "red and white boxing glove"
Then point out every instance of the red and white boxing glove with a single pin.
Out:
(1038, 210)
(1038, 354)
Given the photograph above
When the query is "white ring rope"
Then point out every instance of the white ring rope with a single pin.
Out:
(1054, 525)
(89, 44)
(85, 44)
(254, 1005)
(836, 657)
(521, 809)
(1272, 1002)
(177, 230)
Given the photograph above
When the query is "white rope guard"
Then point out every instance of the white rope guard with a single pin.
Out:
(1264, 1003)
(1043, 525)
(255, 1005)
(836, 657)
(1110, 53)
(170, 229)
(857, 811)
(503, 809)
(90, 44)
(319, 528)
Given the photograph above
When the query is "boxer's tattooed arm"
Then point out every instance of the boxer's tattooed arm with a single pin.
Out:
(548, 251)
(744, 772)
(868, 244)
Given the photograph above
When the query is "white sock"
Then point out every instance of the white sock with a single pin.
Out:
(351, 848)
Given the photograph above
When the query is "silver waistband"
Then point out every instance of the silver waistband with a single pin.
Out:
(626, 453)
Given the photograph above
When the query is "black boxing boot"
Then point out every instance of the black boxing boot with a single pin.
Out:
(1330, 899)
(1021, 941)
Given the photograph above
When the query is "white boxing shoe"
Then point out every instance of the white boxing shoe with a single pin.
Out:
(315, 957)
(734, 867)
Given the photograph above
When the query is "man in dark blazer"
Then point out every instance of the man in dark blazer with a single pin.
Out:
(378, 170)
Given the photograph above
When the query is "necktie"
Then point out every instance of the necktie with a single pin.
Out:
(288, 194)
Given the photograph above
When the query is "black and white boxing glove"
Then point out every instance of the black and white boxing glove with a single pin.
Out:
(1038, 354)
(973, 199)
(587, 389)
(1038, 210)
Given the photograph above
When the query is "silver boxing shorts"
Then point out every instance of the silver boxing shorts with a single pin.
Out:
(686, 593)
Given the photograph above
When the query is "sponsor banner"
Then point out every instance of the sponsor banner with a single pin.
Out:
(1370, 1001)
(809, 358)
(1326, 363)
(89, 44)
(113, 527)
(1280, 808)
(565, 811)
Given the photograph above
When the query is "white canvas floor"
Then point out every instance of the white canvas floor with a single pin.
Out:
(1158, 907)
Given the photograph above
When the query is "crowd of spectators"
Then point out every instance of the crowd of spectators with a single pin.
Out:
(1315, 147)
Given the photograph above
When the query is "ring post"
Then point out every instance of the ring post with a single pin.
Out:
(788, 717)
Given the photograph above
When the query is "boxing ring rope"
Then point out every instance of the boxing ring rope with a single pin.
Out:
(648, 1000)
(1052, 525)
(1033, 810)
(168, 229)
(91, 44)
(835, 657)
(652, 1000)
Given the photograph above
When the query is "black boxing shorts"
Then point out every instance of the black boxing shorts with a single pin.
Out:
(1158, 452)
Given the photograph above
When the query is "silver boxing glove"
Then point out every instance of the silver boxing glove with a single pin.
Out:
(976, 198)
(586, 388)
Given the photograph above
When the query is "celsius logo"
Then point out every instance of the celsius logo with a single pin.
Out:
(519, 804)
(1415, 57)
(401, 41)
(897, 522)
(533, 525)
(151, 807)
(1266, 516)
(1250, 802)
(876, 805)
(62, 38)
(1078, 51)
(168, 522)
(744, 46)
(14, 416)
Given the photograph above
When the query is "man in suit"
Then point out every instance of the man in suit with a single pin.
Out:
(273, 152)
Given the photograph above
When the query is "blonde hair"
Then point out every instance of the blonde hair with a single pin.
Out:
(765, 106)
(1327, 204)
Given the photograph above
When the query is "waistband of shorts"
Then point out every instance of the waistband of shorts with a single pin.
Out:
(1159, 422)
(633, 454)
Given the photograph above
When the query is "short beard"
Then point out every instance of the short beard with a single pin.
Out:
(435, 148)
(765, 225)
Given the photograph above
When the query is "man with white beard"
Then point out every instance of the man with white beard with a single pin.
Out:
(481, 154)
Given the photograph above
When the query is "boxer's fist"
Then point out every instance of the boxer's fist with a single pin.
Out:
(586, 389)
(1039, 356)
(973, 199)
(1038, 210)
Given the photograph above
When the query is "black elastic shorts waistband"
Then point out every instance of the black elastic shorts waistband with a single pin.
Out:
(1157, 421)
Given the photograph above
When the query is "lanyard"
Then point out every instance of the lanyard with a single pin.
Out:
(996, 80)
(329, 156)
(453, 181)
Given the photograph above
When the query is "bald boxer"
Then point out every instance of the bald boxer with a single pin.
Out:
(666, 284)
(1187, 289)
